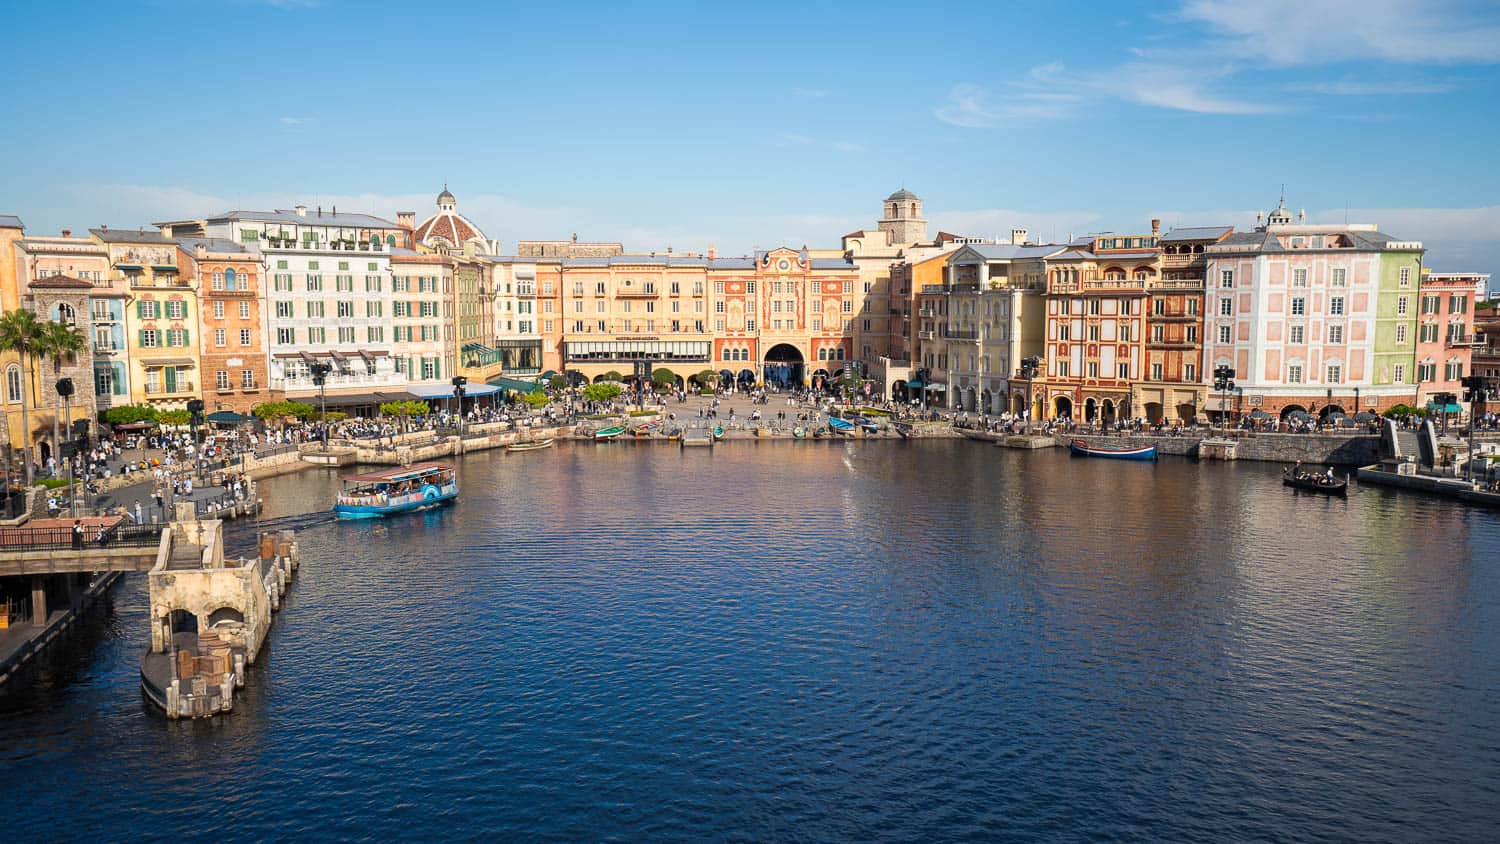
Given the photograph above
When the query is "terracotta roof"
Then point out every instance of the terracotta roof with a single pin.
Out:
(447, 225)
(59, 281)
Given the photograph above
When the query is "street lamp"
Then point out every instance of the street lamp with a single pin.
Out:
(1223, 382)
(1030, 366)
(64, 389)
(320, 370)
(195, 408)
(458, 394)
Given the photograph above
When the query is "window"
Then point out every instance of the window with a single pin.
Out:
(1226, 306)
(219, 337)
(1226, 278)
(1224, 334)
(1453, 371)
(149, 338)
(1299, 306)
(1335, 374)
(1093, 331)
(1428, 334)
(1297, 335)
(1063, 368)
(1123, 369)
(346, 310)
(1192, 307)
(1092, 368)
(244, 336)
(218, 310)
(376, 334)
(221, 379)
(147, 309)
(1159, 307)
(848, 306)
(1406, 276)
(1403, 305)
(1401, 333)
(317, 334)
(1189, 372)
(1426, 372)
(1431, 305)
(1336, 333)
(374, 309)
(315, 309)
(1064, 332)
(1458, 304)
(282, 281)
(1192, 333)
(1340, 277)
(247, 379)
(284, 337)
(1156, 373)
(1299, 278)
(177, 337)
(373, 284)
(346, 334)
(314, 282)
(13, 383)
(1294, 373)
(749, 325)
(1336, 306)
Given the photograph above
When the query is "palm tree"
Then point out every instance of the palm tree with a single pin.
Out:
(61, 342)
(19, 332)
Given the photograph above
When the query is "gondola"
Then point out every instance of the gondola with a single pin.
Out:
(904, 429)
(1083, 449)
(1310, 483)
(533, 445)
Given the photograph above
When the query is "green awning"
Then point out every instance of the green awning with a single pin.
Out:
(1440, 408)
(226, 417)
(914, 383)
(515, 384)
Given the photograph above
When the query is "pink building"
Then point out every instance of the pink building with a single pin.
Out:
(1445, 332)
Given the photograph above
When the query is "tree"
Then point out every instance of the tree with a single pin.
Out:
(536, 399)
(174, 417)
(403, 409)
(705, 378)
(127, 414)
(281, 409)
(612, 375)
(601, 392)
(557, 383)
(664, 378)
(60, 342)
(20, 332)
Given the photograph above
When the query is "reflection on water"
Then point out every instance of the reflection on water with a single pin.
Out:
(815, 641)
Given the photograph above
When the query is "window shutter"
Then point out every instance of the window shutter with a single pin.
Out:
(186, 339)
(140, 338)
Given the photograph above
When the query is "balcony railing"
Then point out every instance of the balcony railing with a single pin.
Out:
(637, 292)
(1175, 284)
(927, 335)
(961, 334)
(179, 388)
(1466, 341)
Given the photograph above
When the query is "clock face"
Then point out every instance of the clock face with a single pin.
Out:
(783, 265)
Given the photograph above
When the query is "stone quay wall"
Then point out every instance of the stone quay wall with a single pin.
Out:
(1335, 449)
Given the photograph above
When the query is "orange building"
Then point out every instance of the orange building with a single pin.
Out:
(1172, 387)
(232, 351)
(1096, 319)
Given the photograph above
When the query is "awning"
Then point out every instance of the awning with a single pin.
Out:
(1444, 408)
(937, 387)
(515, 384)
(226, 417)
(134, 426)
(151, 364)
(445, 391)
(914, 383)
(127, 266)
(548, 375)
(358, 399)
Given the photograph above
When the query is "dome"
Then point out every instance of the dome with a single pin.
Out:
(902, 194)
(445, 198)
(447, 227)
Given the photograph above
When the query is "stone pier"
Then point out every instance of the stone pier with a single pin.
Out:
(210, 616)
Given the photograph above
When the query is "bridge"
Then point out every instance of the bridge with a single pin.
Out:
(51, 546)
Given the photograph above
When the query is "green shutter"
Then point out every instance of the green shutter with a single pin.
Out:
(140, 309)
(186, 337)
(140, 338)
(437, 368)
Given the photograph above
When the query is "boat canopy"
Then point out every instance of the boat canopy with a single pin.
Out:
(445, 391)
(403, 473)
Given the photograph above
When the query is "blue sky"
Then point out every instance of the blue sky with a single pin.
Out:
(740, 126)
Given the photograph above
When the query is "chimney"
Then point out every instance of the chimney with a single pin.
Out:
(406, 219)
(200, 251)
(320, 210)
(712, 253)
(67, 233)
(301, 210)
(335, 211)
(1018, 237)
(1155, 227)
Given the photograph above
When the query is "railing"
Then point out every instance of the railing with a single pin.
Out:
(164, 390)
(636, 292)
(961, 334)
(62, 538)
(926, 335)
(1175, 284)
(1456, 341)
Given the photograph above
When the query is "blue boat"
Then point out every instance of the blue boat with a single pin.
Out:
(378, 494)
(840, 426)
(1082, 448)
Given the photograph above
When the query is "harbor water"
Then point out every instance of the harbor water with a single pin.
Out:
(816, 641)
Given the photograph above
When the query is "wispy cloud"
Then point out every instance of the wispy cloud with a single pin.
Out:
(1358, 88)
(1023, 102)
(1297, 32)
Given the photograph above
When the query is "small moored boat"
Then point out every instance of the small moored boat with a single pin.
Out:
(377, 494)
(718, 432)
(799, 432)
(904, 429)
(1311, 483)
(1118, 452)
(533, 445)
(840, 426)
(612, 432)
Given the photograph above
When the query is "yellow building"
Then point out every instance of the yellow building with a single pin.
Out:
(161, 317)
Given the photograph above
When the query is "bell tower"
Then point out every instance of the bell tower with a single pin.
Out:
(902, 221)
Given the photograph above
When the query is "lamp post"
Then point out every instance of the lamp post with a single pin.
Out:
(1029, 368)
(1223, 382)
(195, 407)
(320, 371)
(458, 394)
(64, 389)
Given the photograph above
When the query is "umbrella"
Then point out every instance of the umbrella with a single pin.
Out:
(1259, 414)
(226, 417)
(1299, 414)
(1365, 416)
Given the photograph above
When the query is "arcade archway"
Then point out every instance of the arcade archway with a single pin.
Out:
(1062, 407)
(784, 366)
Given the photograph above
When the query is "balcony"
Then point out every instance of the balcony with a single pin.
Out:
(961, 334)
(645, 292)
(178, 389)
(337, 381)
(1467, 341)
(1175, 284)
(926, 335)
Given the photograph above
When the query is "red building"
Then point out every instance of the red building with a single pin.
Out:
(1446, 338)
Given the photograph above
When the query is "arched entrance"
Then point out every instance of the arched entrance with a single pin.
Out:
(1108, 413)
(1154, 412)
(900, 392)
(1062, 407)
(726, 378)
(1293, 410)
(182, 621)
(784, 366)
(1187, 412)
(223, 614)
(746, 379)
(45, 449)
(1330, 410)
(1090, 410)
(1017, 404)
(576, 378)
(986, 402)
(820, 379)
